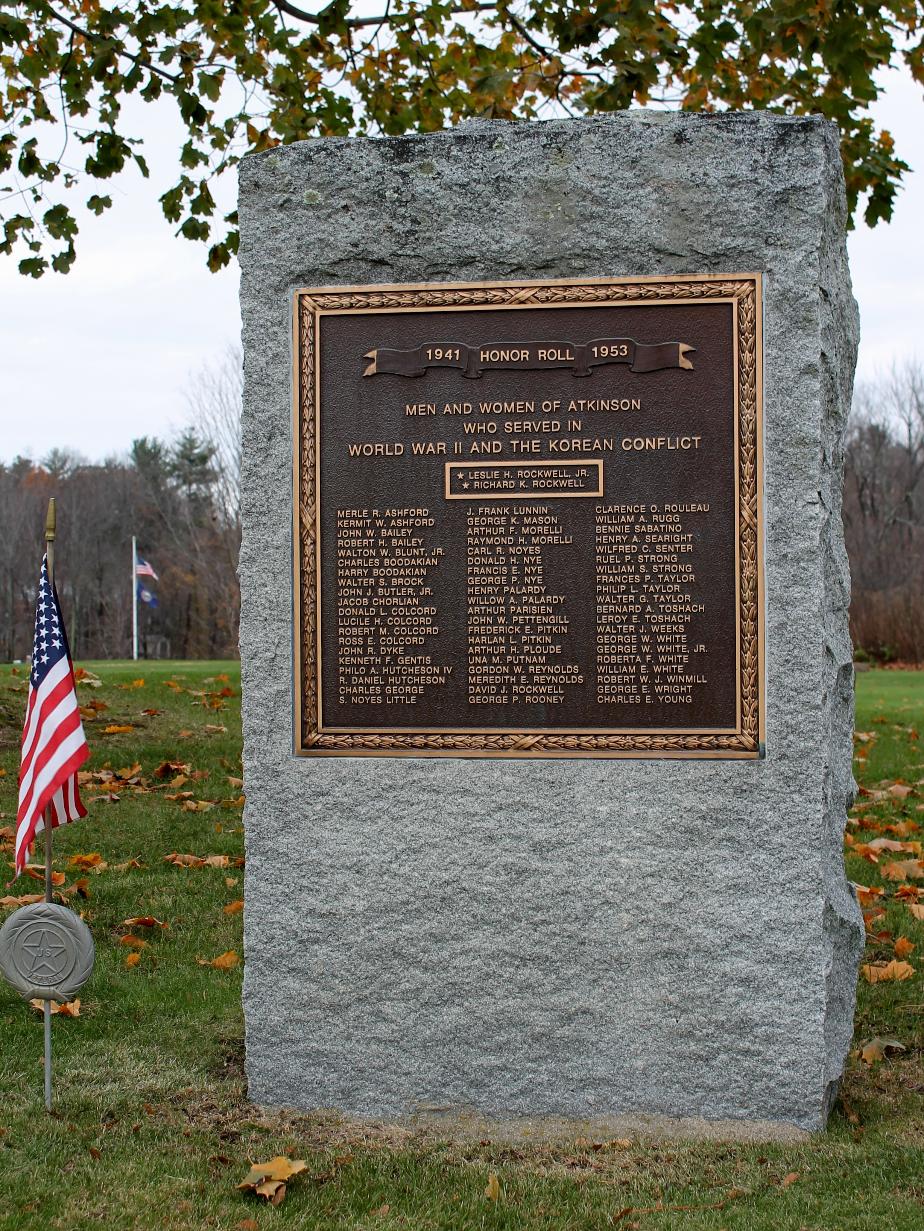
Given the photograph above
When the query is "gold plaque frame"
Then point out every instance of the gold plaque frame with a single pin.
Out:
(744, 291)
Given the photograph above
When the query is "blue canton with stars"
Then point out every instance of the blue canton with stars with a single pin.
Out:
(50, 643)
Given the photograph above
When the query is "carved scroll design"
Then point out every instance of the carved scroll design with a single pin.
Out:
(744, 293)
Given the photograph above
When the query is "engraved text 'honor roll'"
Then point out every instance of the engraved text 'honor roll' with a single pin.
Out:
(496, 558)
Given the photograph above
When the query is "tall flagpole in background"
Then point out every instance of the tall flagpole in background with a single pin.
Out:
(50, 525)
(134, 598)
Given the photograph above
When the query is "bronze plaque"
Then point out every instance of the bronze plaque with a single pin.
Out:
(528, 520)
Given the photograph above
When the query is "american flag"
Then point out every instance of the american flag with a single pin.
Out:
(53, 743)
(143, 569)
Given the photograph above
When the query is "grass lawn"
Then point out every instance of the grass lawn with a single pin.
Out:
(152, 1127)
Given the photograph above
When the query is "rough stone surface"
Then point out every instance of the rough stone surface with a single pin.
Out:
(581, 938)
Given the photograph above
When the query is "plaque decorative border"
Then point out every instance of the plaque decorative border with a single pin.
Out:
(745, 291)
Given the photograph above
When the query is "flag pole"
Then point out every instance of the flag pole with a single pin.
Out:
(50, 527)
(134, 599)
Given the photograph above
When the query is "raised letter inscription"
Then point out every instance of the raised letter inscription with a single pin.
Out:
(556, 558)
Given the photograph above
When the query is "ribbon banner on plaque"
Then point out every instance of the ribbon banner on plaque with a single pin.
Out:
(581, 358)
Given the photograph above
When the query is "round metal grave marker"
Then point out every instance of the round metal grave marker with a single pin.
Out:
(46, 951)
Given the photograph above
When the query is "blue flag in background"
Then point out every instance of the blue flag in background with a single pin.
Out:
(147, 596)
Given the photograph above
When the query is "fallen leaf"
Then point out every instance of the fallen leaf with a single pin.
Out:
(493, 1189)
(917, 909)
(887, 972)
(878, 1048)
(247, 1224)
(184, 861)
(135, 942)
(903, 869)
(167, 769)
(903, 947)
(232, 781)
(790, 1179)
(197, 805)
(24, 899)
(268, 1180)
(118, 728)
(212, 728)
(151, 712)
(233, 907)
(129, 863)
(37, 872)
(70, 1008)
(127, 772)
(224, 961)
(231, 881)
(898, 790)
(94, 862)
(133, 959)
(144, 921)
(380, 1212)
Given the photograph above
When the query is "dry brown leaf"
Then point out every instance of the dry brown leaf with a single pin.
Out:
(118, 728)
(887, 972)
(129, 863)
(133, 959)
(790, 1179)
(231, 881)
(898, 790)
(93, 862)
(184, 861)
(212, 728)
(70, 1008)
(151, 712)
(493, 1188)
(224, 961)
(917, 909)
(903, 947)
(268, 1180)
(134, 942)
(37, 872)
(167, 769)
(198, 805)
(232, 781)
(380, 1212)
(233, 907)
(24, 899)
(144, 921)
(903, 869)
(868, 894)
(878, 1048)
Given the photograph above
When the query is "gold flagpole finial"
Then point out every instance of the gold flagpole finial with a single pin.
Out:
(50, 521)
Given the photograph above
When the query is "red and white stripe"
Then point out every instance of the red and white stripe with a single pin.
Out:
(53, 749)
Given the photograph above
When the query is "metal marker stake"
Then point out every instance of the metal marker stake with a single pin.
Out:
(50, 524)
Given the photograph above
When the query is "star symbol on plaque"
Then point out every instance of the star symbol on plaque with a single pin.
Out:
(47, 954)
(465, 487)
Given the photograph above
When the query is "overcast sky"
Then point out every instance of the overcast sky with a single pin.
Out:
(102, 355)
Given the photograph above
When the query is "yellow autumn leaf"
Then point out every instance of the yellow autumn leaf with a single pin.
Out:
(887, 972)
(70, 1008)
(493, 1189)
(877, 1049)
(224, 961)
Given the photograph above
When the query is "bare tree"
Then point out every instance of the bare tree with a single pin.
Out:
(884, 512)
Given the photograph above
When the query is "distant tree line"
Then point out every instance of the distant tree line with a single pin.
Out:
(884, 515)
(178, 497)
